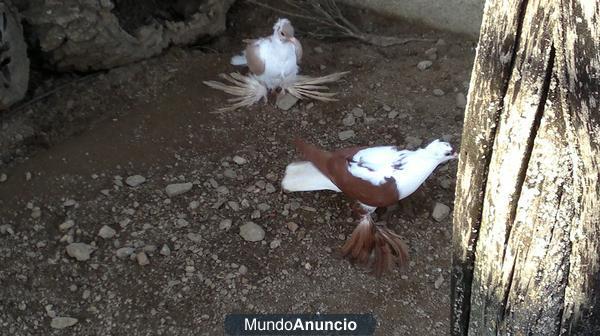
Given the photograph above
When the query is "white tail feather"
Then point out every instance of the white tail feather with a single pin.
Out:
(239, 60)
(304, 176)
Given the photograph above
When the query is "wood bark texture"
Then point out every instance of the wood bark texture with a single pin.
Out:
(526, 241)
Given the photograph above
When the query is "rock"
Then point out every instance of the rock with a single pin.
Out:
(181, 223)
(292, 226)
(69, 223)
(79, 251)
(124, 252)
(235, 206)
(438, 92)
(165, 250)
(13, 54)
(393, 114)
(194, 205)
(252, 232)
(424, 65)
(440, 211)
(60, 322)
(357, 112)
(6, 229)
(178, 188)
(36, 212)
(269, 188)
(142, 259)
(345, 135)
(3, 177)
(349, 120)
(239, 160)
(69, 203)
(318, 50)
(263, 207)
(135, 180)
(461, 100)
(225, 224)
(64, 29)
(106, 232)
(243, 270)
(438, 282)
(286, 101)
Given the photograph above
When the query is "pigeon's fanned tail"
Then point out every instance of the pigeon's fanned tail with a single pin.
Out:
(239, 60)
(304, 176)
(247, 89)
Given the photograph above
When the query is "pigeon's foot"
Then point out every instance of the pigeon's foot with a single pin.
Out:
(377, 245)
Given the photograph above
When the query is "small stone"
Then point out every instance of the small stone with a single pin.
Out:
(239, 160)
(440, 211)
(36, 212)
(431, 53)
(3, 177)
(386, 108)
(106, 232)
(286, 101)
(308, 266)
(178, 188)
(252, 232)
(135, 180)
(194, 205)
(269, 188)
(235, 206)
(225, 224)
(438, 92)
(424, 65)
(292, 226)
(345, 135)
(393, 114)
(413, 142)
(181, 223)
(6, 229)
(142, 259)
(438, 282)
(349, 120)
(318, 50)
(69, 223)
(243, 270)
(27, 176)
(263, 207)
(69, 203)
(255, 214)
(124, 252)
(79, 251)
(165, 250)
(275, 244)
(63, 322)
(358, 112)
(195, 237)
(461, 100)
(229, 173)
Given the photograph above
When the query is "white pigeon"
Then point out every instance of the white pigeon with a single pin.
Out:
(374, 177)
(273, 60)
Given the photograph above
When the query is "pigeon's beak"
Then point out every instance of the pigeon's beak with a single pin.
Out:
(454, 155)
(292, 39)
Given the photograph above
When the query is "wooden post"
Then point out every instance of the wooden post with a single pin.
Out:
(526, 241)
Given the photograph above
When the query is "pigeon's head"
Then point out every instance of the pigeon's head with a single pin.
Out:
(441, 151)
(283, 30)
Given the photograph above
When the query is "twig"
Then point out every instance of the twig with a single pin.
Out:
(329, 15)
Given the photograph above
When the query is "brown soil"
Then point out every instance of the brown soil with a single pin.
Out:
(154, 119)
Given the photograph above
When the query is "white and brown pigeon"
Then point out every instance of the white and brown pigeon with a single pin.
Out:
(373, 177)
(273, 60)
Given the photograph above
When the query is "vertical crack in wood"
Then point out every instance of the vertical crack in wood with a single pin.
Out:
(522, 175)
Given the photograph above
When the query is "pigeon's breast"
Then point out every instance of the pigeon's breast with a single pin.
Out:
(280, 60)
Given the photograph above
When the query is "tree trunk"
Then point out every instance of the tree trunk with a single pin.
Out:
(526, 241)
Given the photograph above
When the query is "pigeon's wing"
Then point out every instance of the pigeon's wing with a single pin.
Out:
(381, 158)
(335, 165)
(298, 49)
(255, 62)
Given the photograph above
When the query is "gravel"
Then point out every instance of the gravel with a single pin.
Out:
(461, 100)
(286, 101)
(63, 322)
(345, 135)
(239, 160)
(225, 224)
(424, 65)
(106, 232)
(142, 259)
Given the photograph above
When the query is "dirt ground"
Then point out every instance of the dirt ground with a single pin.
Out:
(153, 119)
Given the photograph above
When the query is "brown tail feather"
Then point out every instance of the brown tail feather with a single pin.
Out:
(368, 238)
